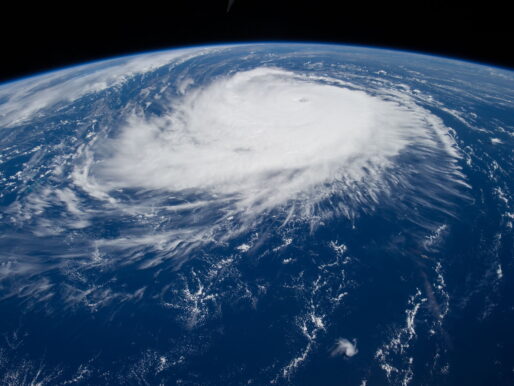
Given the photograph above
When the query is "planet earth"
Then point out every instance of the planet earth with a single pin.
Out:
(289, 214)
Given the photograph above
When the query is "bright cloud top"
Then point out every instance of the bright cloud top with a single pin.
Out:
(262, 138)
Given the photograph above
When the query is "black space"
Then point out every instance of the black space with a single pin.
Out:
(42, 37)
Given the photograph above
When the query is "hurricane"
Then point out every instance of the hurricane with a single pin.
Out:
(261, 141)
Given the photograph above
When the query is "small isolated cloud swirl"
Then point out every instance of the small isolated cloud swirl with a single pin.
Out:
(344, 347)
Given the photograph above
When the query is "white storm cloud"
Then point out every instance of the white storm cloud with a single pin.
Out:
(260, 138)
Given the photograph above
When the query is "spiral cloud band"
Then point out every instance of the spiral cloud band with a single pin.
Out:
(267, 138)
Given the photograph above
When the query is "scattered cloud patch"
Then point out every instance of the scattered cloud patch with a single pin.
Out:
(243, 247)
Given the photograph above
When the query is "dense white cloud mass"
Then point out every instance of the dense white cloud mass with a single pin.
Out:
(262, 139)
(345, 347)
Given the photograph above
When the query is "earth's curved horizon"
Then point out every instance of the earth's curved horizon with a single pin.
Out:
(258, 213)
(129, 54)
